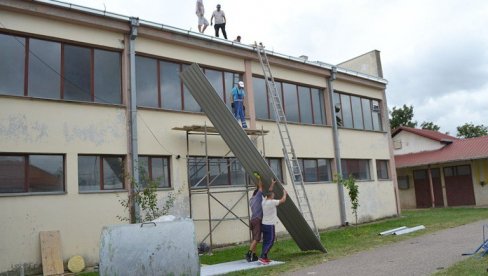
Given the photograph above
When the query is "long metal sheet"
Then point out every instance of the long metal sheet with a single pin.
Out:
(247, 154)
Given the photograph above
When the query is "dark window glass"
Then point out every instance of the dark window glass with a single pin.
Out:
(420, 174)
(449, 171)
(146, 82)
(377, 125)
(170, 85)
(190, 102)
(160, 171)
(382, 169)
(291, 102)
(100, 173)
(463, 170)
(107, 77)
(310, 170)
(368, 119)
(337, 103)
(346, 111)
(229, 84)
(12, 173)
(357, 112)
(359, 169)
(324, 170)
(197, 168)
(237, 173)
(279, 90)
(306, 115)
(215, 78)
(12, 62)
(275, 165)
(144, 175)
(44, 69)
(112, 173)
(77, 73)
(88, 173)
(46, 173)
(403, 183)
(260, 98)
(219, 172)
(318, 107)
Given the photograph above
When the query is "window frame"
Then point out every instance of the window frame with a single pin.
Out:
(343, 166)
(26, 172)
(361, 112)
(101, 186)
(328, 162)
(228, 166)
(309, 100)
(149, 172)
(378, 167)
(280, 167)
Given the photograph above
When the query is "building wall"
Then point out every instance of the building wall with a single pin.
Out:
(30, 125)
(411, 143)
(480, 181)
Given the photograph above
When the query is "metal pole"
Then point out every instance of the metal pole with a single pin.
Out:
(431, 187)
(188, 174)
(208, 191)
(337, 152)
(134, 23)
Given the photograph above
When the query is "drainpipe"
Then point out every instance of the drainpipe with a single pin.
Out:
(134, 23)
(337, 152)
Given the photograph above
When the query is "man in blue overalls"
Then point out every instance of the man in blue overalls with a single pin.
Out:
(238, 99)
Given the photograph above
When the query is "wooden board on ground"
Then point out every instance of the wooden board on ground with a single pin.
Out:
(52, 260)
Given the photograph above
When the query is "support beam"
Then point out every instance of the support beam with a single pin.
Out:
(431, 187)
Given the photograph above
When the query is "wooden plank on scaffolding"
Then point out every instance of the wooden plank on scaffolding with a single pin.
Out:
(247, 154)
(52, 259)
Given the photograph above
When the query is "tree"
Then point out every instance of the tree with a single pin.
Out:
(402, 117)
(430, 126)
(469, 130)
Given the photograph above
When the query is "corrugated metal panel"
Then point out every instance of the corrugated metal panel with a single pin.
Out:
(247, 154)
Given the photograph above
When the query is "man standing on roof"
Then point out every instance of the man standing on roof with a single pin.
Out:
(200, 12)
(238, 95)
(220, 21)
(269, 220)
(255, 203)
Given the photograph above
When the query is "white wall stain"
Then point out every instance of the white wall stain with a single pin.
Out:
(17, 127)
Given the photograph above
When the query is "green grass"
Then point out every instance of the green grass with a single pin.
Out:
(346, 241)
(475, 265)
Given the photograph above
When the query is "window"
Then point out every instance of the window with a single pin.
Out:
(12, 57)
(59, 71)
(275, 165)
(301, 104)
(358, 112)
(315, 170)
(96, 173)
(403, 183)
(223, 171)
(382, 169)
(358, 168)
(159, 85)
(457, 170)
(154, 168)
(33, 173)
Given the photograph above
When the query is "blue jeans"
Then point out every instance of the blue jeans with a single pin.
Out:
(239, 112)
(268, 239)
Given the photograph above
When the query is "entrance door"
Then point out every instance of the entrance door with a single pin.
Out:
(459, 185)
(422, 188)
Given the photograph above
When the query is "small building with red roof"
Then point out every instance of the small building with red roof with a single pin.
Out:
(439, 170)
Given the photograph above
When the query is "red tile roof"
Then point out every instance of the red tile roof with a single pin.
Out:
(458, 150)
(431, 134)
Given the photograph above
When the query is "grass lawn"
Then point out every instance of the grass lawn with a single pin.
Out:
(475, 265)
(345, 241)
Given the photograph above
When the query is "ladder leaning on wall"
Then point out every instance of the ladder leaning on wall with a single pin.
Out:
(288, 150)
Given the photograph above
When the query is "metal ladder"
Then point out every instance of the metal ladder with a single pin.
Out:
(288, 150)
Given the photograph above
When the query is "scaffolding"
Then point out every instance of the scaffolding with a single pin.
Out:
(210, 190)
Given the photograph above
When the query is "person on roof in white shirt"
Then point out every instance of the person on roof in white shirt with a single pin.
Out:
(200, 12)
(220, 21)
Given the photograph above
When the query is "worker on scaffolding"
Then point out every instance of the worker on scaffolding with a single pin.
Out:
(255, 203)
(238, 95)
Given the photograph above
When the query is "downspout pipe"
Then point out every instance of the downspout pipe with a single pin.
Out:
(134, 23)
(337, 152)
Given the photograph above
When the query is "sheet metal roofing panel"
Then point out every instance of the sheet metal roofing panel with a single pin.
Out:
(247, 154)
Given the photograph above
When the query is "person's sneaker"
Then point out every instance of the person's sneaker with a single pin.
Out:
(264, 261)
(254, 257)
(267, 260)
(248, 256)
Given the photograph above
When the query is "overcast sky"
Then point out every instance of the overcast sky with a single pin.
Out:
(434, 52)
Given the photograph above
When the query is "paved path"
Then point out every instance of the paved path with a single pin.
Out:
(422, 255)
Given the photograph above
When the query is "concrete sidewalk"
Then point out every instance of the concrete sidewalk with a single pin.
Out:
(422, 255)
